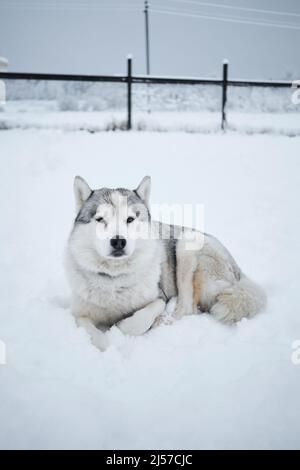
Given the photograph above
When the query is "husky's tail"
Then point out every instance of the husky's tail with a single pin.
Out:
(243, 300)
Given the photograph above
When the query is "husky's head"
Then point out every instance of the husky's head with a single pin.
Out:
(110, 223)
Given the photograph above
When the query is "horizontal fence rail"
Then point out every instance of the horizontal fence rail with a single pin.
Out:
(131, 79)
(143, 79)
(259, 83)
(62, 77)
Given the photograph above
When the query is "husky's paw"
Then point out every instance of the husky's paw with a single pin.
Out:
(142, 320)
(167, 317)
(227, 309)
(183, 310)
(221, 313)
(241, 301)
(163, 320)
(100, 340)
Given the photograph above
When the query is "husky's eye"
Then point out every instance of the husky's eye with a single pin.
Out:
(130, 219)
(99, 219)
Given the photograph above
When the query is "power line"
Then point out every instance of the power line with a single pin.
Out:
(231, 7)
(228, 19)
(136, 5)
(69, 3)
(69, 6)
(133, 7)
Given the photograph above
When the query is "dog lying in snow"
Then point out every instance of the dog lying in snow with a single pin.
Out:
(123, 267)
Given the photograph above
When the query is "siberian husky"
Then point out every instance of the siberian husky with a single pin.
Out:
(123, 267)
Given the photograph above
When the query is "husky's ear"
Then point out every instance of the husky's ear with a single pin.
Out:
(81, 191)
(143, 189)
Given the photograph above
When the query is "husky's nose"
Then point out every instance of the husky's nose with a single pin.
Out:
(118, 243)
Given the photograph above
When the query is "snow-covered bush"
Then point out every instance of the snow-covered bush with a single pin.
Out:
(86, 96)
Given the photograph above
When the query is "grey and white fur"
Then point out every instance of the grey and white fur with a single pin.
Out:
(119, 277)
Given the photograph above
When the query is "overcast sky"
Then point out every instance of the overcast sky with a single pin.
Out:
(85, 39)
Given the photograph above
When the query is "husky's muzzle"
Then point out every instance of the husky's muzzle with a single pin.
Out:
(118, 244)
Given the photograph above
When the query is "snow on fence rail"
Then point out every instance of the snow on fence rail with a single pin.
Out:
(129, 79)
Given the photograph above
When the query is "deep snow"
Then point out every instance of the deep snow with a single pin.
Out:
(194, 384)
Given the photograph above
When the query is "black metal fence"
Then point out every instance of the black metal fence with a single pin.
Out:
(131, 79)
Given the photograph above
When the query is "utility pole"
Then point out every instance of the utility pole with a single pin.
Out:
(146, 11)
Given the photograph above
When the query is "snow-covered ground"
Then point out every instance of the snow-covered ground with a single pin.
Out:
(194, 384)
(33, 115)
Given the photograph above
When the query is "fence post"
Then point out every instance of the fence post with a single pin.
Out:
(129, 92)
(224, 94)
